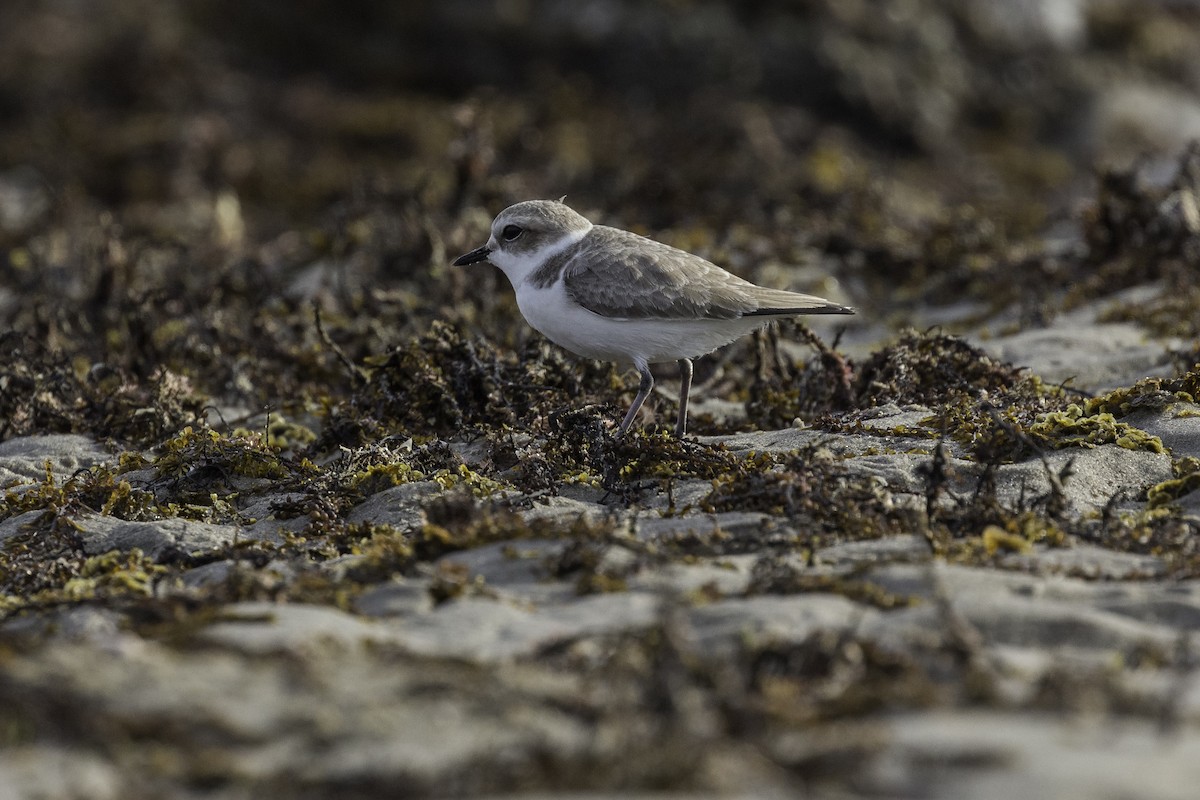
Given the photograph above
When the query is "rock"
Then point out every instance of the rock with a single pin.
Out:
(1134, 118)
(653, 528)
(24, 199)
(1097, 474)
(262, 628)
(1093, 357)
(1028, 755)
(399, 597)
(23, 459)
(1178, 426)
(15, 525)
(101, 534)
(53, 772)
(1088, 561)
(874, 551)
(486, 631)
(519, 570)
(720, 627)
(399, 506)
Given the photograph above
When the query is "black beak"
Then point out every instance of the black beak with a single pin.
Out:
(473, 257)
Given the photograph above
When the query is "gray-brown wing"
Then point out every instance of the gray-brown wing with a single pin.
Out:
(620, 274)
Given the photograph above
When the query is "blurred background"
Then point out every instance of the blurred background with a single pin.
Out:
(180, 181)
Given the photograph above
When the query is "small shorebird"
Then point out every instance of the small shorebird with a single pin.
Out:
(612, 295)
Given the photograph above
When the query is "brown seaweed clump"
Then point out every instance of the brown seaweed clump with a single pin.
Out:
(782, 392)
(1138, 233)
(815, 494)
(41, 391)
(445, 382)
(930, 369)
(985, 404)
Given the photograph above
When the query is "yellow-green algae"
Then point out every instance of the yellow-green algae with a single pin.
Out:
(997, 539)
(114, 573)
(1074, 427)
(1186, 481)
(1152, 393)
(97, 488)
(238, 455)
(76, 579)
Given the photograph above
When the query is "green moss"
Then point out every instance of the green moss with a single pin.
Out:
(1011, 533)
(44, 495)
(376, 477)
(933, 369)
(45, 391)
(1186, 481)
(1073, 427)
(44, 554)
(64, 578)
(479, 485)
(997, 540)
(112, 574)
(281, 433)
(232, 455)
(328, 492)
(1147, 394)
(97, 489)
(457, 520)
(452, 581)
(581, 449)
(600, 583)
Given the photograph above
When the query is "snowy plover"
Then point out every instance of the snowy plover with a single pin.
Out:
(612, 295)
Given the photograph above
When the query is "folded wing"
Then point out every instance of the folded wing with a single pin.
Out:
(622, 275)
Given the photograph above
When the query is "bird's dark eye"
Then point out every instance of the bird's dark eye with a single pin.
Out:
(512, 232)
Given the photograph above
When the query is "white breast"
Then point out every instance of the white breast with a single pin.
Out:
(625, 341)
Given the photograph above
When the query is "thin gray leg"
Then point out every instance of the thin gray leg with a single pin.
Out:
(685, 386)
(643, 392)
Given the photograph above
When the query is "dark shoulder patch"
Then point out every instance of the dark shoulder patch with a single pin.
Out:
(545, 275)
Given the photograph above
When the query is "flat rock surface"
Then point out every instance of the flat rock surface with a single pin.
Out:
(429, 677)
(1093, 357)
(25, 460)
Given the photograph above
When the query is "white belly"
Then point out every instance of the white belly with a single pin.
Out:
(626, 341)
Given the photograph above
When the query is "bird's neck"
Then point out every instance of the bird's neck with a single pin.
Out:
(521, 267)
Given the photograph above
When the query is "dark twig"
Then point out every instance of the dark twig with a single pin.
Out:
(357, 373)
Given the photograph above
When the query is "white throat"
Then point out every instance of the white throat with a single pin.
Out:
(520, 266)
